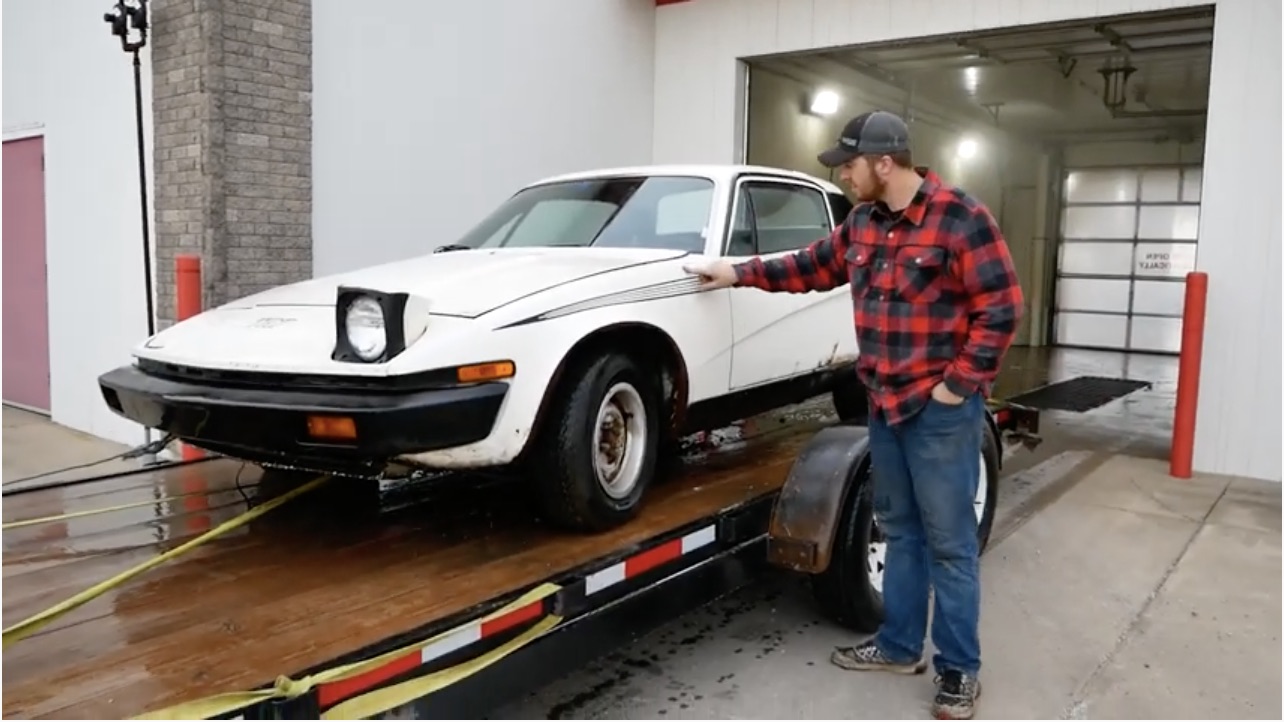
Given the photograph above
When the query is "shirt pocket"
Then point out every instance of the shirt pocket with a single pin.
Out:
(860, 268)
(921, 273)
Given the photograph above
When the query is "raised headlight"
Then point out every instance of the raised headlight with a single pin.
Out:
(366, 328)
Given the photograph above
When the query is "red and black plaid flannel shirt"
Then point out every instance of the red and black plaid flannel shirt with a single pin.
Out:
(935, 294)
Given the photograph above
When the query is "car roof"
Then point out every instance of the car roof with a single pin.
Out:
(715, 171)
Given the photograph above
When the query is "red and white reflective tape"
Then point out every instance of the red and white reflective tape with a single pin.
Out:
(454, 640)
(649, 559)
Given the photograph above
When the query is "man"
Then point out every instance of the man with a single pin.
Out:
(936, 303)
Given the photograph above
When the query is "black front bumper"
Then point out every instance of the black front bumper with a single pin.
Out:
(270, 422)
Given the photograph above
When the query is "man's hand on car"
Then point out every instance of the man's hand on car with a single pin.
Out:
(713, 275)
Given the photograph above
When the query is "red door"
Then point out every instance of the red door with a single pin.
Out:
(26, 297)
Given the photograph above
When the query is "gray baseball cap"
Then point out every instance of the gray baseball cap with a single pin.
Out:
(876, 132)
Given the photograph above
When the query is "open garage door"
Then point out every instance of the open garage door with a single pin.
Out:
(1128, 239)
(1084, 138)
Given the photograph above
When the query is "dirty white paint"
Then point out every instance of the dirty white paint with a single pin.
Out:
(532, 305)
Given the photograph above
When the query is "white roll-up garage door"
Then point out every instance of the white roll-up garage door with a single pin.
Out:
(1128, 239)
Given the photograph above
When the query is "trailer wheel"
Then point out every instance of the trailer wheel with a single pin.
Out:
(850, 590)
(599, 454)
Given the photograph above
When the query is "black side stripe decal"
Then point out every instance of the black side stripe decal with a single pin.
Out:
(580, 278)
(653, 292)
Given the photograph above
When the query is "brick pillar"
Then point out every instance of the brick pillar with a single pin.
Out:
(232, 112)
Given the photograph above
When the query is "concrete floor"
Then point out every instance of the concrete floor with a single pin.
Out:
(35, 446)
(1110, 589)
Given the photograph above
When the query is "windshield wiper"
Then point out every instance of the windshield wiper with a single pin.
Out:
(452, 247)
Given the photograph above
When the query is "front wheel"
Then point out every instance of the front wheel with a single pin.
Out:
(850, 590)
(597, 459)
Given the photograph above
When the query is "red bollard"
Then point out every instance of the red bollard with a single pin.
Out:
(1192, 354)
(187, 303)
(187, 286)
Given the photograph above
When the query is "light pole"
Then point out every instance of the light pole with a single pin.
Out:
(128, 21)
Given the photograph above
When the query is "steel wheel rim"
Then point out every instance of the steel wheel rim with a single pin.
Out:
(619, 440)
(876, 557)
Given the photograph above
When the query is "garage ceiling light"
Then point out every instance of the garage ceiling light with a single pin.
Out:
(824, 102)
(967, 148)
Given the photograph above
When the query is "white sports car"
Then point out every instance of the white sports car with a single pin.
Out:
(561, 334)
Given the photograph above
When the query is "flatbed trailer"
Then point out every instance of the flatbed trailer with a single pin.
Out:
(444, 601)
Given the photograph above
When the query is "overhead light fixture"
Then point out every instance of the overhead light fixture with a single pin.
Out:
(824, 102)
(1116, 77)
(967, 148)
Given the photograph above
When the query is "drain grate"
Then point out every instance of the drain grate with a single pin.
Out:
(1080, 394)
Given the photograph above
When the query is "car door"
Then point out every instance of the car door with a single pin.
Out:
(780, 335)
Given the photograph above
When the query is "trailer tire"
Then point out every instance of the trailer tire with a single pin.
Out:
(845, 591)
(606, 388)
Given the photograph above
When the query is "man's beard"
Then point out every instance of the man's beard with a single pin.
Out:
(880, 186)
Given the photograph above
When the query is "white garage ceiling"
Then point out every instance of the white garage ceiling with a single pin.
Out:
(1047, 82)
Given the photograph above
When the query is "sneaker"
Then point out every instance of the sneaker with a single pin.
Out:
(956, 695)
(869, 657)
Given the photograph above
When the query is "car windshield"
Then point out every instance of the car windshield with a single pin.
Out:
(665, 212)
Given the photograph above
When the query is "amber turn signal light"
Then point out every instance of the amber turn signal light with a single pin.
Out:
(485, 372)
(338, 428)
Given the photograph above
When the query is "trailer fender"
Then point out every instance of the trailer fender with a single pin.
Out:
(806, 515)
(823, 522)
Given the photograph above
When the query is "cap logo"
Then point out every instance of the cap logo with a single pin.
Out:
(849, 142)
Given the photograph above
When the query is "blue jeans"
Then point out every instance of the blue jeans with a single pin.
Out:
(925, 472)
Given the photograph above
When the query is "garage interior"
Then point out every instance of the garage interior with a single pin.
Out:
(1086, 141)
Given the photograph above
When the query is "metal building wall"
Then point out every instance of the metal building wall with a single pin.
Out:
(66, 79)
(228, 168)
(428, 114)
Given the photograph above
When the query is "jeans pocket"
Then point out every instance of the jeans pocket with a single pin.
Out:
(940, 414)
(933, 401)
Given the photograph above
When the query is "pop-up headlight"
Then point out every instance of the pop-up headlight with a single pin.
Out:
(372, 326)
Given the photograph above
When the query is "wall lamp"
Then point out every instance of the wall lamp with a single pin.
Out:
(824, 102)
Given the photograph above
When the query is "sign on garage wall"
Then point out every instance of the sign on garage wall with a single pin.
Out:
(1128, 238)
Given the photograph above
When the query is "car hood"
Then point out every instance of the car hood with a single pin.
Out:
(466, 283)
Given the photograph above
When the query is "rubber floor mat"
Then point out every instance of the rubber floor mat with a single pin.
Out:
(1080, 394)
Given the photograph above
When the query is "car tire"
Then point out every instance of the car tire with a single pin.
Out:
(846, 591)
(850, 399)
(604, 393)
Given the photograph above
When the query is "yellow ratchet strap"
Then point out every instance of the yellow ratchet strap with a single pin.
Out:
(18, 523)
(31, 624)
(364, 706)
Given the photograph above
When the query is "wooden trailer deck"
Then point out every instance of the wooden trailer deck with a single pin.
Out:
(328, 574)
